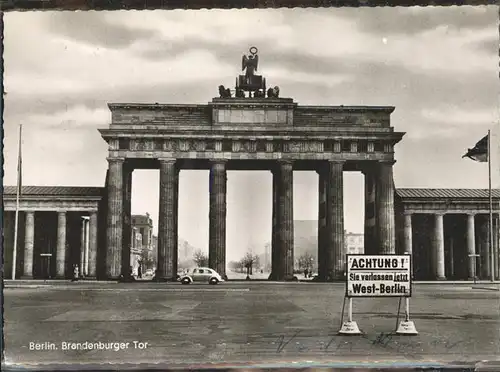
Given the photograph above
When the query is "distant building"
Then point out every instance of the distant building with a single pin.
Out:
(185, 254)
(354, 243)
(144, 225)
(135, 248)
(142, 241)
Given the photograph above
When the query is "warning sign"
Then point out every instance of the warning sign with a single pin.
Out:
(378, 276)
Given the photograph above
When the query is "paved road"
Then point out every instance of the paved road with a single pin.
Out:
(243, 322)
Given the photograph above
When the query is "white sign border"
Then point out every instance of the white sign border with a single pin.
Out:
(381, 255)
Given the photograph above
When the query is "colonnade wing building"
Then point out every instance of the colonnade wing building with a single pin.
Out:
(441, 227)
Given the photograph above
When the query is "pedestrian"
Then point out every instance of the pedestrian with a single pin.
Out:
(131, 274)
(139, 272)
(76, 273)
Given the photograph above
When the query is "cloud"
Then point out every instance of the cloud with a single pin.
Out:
(415, 20)
(487, 45)
(455, 115)
(72, 118)
(95, 29)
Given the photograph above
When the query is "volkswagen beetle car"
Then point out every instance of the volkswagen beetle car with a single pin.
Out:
(201, 274)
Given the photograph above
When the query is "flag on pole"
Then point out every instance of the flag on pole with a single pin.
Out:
(480, 151)
(18, 196)
(20, 164)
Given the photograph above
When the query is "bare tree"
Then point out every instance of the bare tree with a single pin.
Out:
(306, 261)
(249, 261)
(200, 258)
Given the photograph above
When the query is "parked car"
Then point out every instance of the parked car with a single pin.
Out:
(201, 274)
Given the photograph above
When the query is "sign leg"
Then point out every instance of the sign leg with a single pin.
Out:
(406, 326)
(350, 327)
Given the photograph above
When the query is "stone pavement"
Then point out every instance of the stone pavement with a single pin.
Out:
(242, 322)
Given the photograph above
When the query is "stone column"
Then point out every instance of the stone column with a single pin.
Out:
(285, 220)
(92, 245)
(471, 246)
(83, 235)
(115, 218)
(217, 217)
(127, 222)
(322, 232)
(385, 209)
(452, 254)
(275, 241)
(496, 263)
(61, 246)
(370, 236)
(408, 234)
(439, 246)
(166, 223)
(335, 247)
(29, 243)
(482, 248)
(87, 238)
(175, 260)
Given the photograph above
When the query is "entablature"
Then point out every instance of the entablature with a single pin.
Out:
(353, 143)
(245, 155)
(51, 205)
(462, 207)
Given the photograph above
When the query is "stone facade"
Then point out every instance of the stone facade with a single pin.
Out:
(444, 230)
(248, 134)
(253, 134)
(460, 229)
(58, 229)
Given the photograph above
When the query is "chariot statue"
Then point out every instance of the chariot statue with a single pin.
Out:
(250, 82)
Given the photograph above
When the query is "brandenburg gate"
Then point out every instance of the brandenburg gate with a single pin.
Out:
(253, 130)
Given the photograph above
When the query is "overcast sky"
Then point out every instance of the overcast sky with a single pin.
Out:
(438, 66)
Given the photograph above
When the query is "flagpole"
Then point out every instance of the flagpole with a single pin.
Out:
(18, 191)
(490, 233)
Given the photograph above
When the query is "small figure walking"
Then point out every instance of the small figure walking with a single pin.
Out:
(139, 272)
(76, 273)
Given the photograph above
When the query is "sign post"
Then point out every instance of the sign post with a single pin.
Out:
(379, 276)
(350, 327)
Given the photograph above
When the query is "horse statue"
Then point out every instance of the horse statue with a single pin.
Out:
(223, 92)
(273, 92)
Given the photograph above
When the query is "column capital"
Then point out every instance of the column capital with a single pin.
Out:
(471, 214)
(439, 214)
(115, 160)
(335, 166)
(336, 161)
(167, 160)
(218, 161)
(408, 213)
(285, 162)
